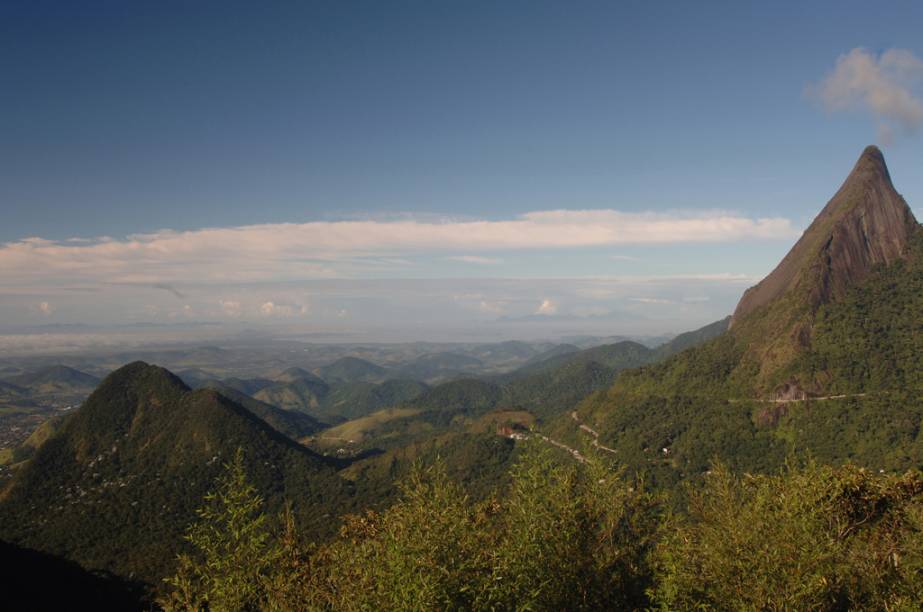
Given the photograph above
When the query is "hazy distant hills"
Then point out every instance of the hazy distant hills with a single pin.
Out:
(544, 389)
(351, 400)
(837, 321)
(292, 375)
(10, 390)
(291, 423)
(58, 379)
(352, 369)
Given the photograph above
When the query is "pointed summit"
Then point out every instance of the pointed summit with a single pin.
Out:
(866, 223)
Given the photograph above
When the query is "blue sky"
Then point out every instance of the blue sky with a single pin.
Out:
(131, 118)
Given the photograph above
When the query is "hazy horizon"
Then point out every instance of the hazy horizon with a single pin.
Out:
(428, 172)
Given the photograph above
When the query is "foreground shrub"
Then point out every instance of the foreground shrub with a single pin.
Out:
(576, 537)
(812, 538)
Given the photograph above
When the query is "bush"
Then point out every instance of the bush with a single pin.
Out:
(811, 538)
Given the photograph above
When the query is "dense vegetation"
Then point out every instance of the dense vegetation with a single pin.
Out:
(571, 536)
(872, 339)
(708, 401)
(114, 488)
(36, 581)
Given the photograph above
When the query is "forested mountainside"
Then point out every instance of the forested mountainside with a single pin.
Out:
(115, 486)
(826, 363)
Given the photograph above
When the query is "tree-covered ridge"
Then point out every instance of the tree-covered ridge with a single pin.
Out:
(858, 369)
(865, 228)
(872, 339)
(868, 341)
(577, 537)
(115, 486)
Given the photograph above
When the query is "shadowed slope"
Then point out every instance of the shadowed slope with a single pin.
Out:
(117, 485)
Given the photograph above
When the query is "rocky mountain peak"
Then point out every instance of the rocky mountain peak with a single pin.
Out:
(865, 224)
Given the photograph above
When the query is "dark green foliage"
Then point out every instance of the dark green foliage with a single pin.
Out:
(566, 536)
(466, 396)
(812, 538)
(341, 400)
(556, 385)
(36, 581)
(618, 356)
(357, 399)
(116, 487)
(247, 386)
(879, 431)
(232, 549)
(707, 401)
(55, 377)
(872, 340)
(291, 423)
(558, 390)
(480, 462)
(439, 366)
(563, 537)
(351, 369)
(689, 339)
(302, 395)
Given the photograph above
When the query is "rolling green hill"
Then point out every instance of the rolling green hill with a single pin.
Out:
(356, 399)
(351, 369)
(117, 485)
(302, 395)
(291, 423)
(54, 380)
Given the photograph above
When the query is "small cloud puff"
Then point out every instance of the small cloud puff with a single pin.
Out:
(490, 307)
(476, 259)
(230, 308)
(882, 85)
(547, 307)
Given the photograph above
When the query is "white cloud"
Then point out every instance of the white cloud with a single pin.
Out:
(230, 308)
(271, 309)
(288, 251)
(647, 300)
(476, 259)
(490, 307)
(883, 86)
(623, 258)
(547, 307)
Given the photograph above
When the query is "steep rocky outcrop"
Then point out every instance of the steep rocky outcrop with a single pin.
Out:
(866, 223)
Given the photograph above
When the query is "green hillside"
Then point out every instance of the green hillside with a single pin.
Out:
(115, 487)
(356, 399)
(832, 372)
(291, 423)
(351, 369)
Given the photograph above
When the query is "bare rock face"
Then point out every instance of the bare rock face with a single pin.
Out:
(866, 223)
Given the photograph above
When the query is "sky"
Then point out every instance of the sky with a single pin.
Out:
(431, 170)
